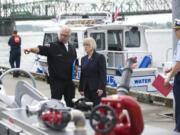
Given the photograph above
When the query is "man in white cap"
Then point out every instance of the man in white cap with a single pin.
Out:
(175, 72)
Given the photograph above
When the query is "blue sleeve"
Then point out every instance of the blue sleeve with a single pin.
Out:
(81, 77)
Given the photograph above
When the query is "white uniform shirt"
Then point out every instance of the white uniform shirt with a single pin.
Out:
(66, 45)
(178, 51)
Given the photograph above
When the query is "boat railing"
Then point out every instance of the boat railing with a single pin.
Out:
(117, 59)
(169, 54)
(168, 60)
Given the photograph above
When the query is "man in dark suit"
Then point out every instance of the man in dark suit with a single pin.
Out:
(93, 73)
(60, 57)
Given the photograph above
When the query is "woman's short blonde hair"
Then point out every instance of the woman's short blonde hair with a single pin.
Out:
(90, 41)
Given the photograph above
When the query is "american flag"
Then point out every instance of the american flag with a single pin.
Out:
(116, 14)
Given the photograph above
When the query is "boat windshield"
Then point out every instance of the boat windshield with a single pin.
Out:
(74, 39)
(52, 37)
(49, 37)
(132, 37)
(99, 37)
(115, 40)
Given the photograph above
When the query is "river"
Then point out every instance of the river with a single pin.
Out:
(159, 40)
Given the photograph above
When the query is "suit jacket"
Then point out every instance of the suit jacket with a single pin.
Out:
(60, 60)
(93, 72)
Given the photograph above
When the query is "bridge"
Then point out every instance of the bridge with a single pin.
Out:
(11, 10)
(47, 9)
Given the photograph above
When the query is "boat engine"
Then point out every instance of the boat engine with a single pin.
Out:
(118, 114)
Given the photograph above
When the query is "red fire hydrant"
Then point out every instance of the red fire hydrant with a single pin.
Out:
(117, 115)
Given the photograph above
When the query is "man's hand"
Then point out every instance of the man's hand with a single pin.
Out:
(99, 92)
(168, 70)
(27, 51)
(75, 71)
(166, 82)
(81, 93)
(33, 50)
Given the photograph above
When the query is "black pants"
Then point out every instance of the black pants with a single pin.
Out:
(93, 96)
(60, 88)
(176, 92)
(15, 57)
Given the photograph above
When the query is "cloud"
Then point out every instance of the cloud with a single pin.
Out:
(160, 18)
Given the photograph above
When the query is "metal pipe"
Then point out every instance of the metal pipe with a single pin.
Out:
(21, 70)
(78, 118)
(79, 122)
(167, 54)
(126, 75)
(35, 109)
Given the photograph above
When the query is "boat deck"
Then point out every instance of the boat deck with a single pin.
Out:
(19, 116)
(156, 121)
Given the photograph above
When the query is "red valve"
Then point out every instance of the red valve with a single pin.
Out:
(55, 119)
(52, 117)
(110, 118)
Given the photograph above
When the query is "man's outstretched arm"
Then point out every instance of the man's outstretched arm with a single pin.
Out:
(31, 50)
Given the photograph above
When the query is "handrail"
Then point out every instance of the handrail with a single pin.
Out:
(167, 53)
(20, 70)
(124, 51)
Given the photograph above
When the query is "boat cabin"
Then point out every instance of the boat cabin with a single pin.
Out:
(116, 41)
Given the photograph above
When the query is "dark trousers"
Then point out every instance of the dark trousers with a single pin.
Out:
(60, 88)
(176, 92)
(93, 96)
(15, 57)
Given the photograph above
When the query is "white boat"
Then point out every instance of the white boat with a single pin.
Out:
(117, 41)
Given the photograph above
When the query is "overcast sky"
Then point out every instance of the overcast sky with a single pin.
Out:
(160, 18)
(23, 1)
(18, 1)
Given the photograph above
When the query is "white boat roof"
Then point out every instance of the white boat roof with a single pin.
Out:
(115, 25)
(98, 26)
(56, 29)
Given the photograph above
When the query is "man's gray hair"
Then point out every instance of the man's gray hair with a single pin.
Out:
(65, 28)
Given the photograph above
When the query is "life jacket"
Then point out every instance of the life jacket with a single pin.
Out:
(17, 40)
